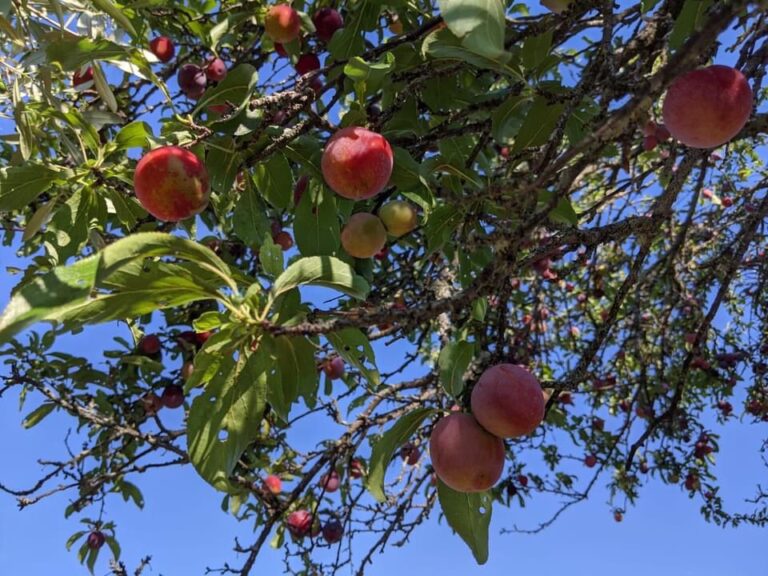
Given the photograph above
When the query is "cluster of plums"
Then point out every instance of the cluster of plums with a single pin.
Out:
(467, 450)
(172, 396)
(301, 523)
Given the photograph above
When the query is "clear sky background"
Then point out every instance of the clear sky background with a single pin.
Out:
(184, 529)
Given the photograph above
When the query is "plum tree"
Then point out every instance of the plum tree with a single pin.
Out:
(465, 456)
(357, 163)
(171, 183)
(364, 235)
(508, 401)
(458, 233)
(706, 108)
(327, 20)
(399, 217)
(163, 47)
(282, 23)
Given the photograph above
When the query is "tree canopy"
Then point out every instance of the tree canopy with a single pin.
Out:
(341, 215)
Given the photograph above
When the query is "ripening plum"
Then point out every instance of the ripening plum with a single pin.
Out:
(465, 456)
(299, 523)
(80, 78)
(508, 401)
(357, 163)
(333, 531)
(216, 70)
(706, 108)
(171, 183)
(163, 48)
(96, 540)
(273, 484)
(282, 23)
(364, 235)
(173, 396)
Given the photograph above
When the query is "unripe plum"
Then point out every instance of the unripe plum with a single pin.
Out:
(508, 401)
(399, 217)
(282, 23)
(364, 235)
(192, 80)
(357, 163)
(465, 456)
(327, 21)
(216, 70)
(171, 183)
(706, 108)
(163, 48)
(173, 396)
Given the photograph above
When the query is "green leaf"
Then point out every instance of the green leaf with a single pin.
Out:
(353, 345)
(21, 185)
(538, 124)
(223, 163)
(442, 223)
(273, 179)
(691, 17)
(453, 363)
(316, 226)
(37, 415)
(322, 271)
(113, 546)
(271, 258)
(507, 119)
(116, 13)
(350, 41)
(469, 514)
(235, 89)
(564, 213)
(297, 364)
(74, 538)
(385, 447)
(226, 417)
(249, 220)
(73, 52)
(58, 293)
(479, 23)
(444, 45)
(536, 48)
(134, 135)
